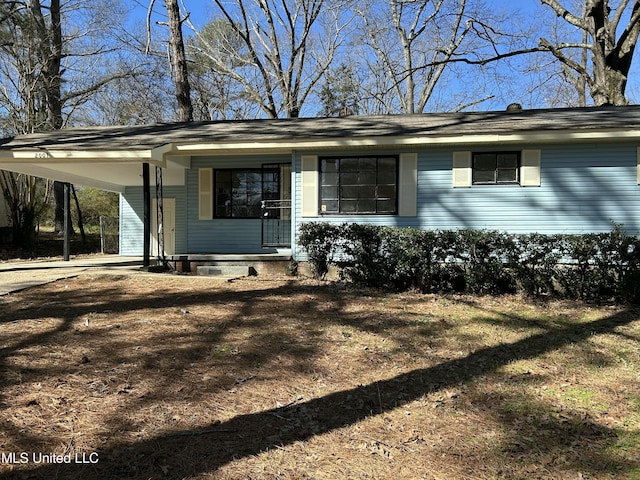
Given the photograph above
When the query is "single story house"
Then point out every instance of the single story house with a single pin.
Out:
(246, 186)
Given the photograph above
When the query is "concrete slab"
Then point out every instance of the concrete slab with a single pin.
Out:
(227, 271)
(19, 275)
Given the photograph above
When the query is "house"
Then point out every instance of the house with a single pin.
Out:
(246, 186)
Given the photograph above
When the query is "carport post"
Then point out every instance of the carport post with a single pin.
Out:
(147, 214)
(66, 224)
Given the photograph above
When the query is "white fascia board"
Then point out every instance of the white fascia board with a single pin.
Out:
(159, 154)
(76, 156)
(288, 145)
(168, 155)
(567, 136)
(275, 146)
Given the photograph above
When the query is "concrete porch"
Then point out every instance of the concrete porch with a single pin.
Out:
(231, 264)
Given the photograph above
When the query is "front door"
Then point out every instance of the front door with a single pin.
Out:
(169, 227)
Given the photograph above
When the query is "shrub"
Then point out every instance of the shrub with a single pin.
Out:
(320, 242)
(486, 254)
(598, 267)
(534, 261)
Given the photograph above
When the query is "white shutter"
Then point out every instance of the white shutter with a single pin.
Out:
(309, 180)
(462, 175)
(408, 185)
(205, 193)
(530, 168)
(638, 165)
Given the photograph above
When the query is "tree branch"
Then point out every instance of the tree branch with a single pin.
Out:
(566, 14)
(618, 16)
(579, 69)
(471, 104)
(149, 11)
(485, 61)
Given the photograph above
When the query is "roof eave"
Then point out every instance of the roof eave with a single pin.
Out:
(290, 145)
(52, 155)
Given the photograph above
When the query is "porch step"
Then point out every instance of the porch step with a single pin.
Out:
(227, 271)
(257, 264)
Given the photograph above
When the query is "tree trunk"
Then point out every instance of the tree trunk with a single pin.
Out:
(612, 47)
(53, 73)
(610, 88)
(80, 221)
(179, 62)
(50, 37)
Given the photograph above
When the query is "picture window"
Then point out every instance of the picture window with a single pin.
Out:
(359, 185)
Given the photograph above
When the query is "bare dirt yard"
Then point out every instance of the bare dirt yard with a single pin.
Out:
(179, 377)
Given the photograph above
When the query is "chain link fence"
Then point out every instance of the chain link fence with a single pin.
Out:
(109, 235)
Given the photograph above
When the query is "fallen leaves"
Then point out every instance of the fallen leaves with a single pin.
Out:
(281, 379)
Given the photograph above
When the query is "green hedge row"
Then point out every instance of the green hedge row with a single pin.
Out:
(598, 267)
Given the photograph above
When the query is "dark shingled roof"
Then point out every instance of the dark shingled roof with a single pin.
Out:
(432, 124)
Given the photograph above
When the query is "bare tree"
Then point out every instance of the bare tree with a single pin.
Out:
(38, 56)
(415, 43)
(284, 59)
(177, 56)
(146, 97)
(26, 198)
(214, 95)
(609, 35)
(54, 56)
(50, 45)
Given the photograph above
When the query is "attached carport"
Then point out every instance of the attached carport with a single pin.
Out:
(108, 158)
(115, 158)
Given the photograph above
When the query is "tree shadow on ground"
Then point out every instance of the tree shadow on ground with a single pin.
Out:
(248, 435)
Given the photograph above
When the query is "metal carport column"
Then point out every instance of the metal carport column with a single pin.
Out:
(147, 214)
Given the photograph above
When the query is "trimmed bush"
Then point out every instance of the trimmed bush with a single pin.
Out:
(320, 242)
(596, 267)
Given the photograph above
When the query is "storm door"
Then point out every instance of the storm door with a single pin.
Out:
(276, 205)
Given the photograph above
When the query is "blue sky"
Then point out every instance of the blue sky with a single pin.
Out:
(202, 10)
(527, 12)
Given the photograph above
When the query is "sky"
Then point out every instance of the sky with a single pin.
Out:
(202, 11)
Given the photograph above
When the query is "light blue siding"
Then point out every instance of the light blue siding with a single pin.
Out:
(584, 188)
(131, 226)
(131, 219)
(224, 235)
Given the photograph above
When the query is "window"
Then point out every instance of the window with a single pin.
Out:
(359, 185)
(496, 168)
(239, 192)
